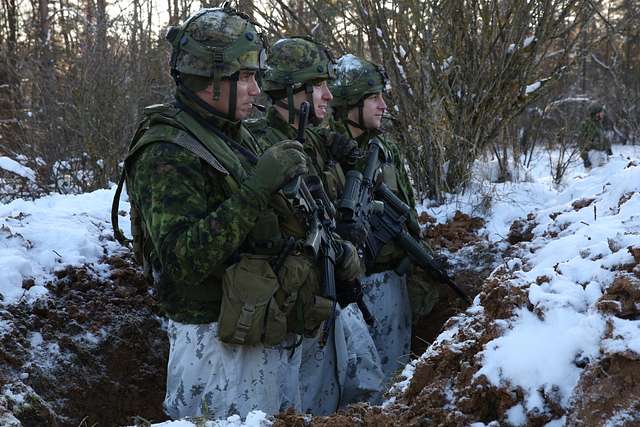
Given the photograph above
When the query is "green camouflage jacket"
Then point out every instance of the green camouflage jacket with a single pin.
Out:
(195, 219)
(592, 137)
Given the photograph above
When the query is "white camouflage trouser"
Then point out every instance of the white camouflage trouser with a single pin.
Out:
(597, 157)
(386, 297)
(226, 378)
(346, 370)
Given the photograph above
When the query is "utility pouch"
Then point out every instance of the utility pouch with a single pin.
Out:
(249, 314)
(318, 311)
(298, 297)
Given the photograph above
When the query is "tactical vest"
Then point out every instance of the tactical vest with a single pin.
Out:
(275, 230)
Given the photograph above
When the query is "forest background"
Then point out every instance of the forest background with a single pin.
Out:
(470, 78)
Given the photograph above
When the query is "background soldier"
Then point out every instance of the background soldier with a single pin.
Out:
(346, 369)
(594, 145)
(358, 108)
(211, 226)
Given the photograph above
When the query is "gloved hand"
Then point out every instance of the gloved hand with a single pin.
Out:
(348, 292)
(278, 165)
(343, 149)
(355, 232)
(609, 152)
(349, 266)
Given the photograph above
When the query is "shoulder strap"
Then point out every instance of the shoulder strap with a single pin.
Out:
(185, 141)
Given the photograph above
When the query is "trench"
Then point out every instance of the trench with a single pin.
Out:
(94, 353)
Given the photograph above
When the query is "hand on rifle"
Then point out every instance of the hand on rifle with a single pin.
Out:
(343, 149)
(355, 232)
(348, 263)
(276, 167)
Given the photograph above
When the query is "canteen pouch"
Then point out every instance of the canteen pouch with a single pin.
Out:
(249, 314)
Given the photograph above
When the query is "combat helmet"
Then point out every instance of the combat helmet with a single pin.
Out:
(217, 43)
(355, 79)
(295, 64)
(595, 108)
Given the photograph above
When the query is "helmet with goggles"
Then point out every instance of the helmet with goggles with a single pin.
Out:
(295, 64)
(216, 43)
(356, 78)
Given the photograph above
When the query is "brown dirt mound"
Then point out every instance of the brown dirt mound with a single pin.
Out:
(621, 298)
(521, 231)
(446, 376)
(607, 394)
(99, 351)
(582, 203)
(455, 234)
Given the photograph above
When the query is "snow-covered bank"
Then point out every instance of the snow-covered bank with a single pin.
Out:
(46, 235)
(562, 311)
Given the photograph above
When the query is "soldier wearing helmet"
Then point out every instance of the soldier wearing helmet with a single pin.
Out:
(358, 107)
(594, 145)
(210, 226)
(297, 70)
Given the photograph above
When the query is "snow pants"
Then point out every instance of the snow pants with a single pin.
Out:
(345, 370)
(206, 376)
(598, 157)
(386, 297)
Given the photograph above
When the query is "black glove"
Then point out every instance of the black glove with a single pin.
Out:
(609, 152)
(587, 163)
(348, 292)
(355, 232)
(349, 266)
(343, 149)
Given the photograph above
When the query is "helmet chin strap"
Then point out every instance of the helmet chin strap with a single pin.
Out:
(233, 96)
(360, 123)
(231, 113)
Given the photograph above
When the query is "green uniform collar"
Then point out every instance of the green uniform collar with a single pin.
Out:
(228, 127)
(275, 120)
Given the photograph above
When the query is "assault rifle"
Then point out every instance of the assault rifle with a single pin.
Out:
(376, 209)
(310, 199)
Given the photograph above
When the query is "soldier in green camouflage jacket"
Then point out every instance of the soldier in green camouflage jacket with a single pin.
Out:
(594, 145)
(358, 107)
(346, 369)
(212, 227)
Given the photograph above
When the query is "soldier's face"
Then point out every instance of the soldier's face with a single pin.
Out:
(321, 98)
(372, 111)
(247, 91)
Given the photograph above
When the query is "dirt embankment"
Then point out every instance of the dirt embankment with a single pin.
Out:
(93, 352)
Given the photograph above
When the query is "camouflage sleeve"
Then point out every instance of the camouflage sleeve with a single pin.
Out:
(587, 135)
(193, 232)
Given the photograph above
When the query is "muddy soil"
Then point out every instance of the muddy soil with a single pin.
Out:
(93, 352)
